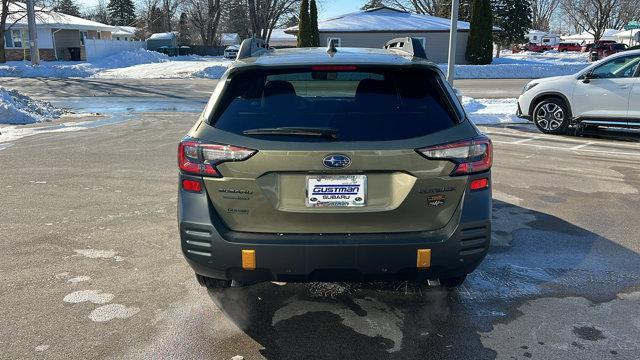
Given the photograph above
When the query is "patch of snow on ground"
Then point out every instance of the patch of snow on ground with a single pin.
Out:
(16, 108)
(96, 254)
(112, 311)
(78, 279)
(93, 296)
(491, 111)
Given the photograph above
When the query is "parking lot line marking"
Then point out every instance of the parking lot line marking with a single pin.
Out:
(563, 138)
(582, 145)
(525, 140)
(569, 149)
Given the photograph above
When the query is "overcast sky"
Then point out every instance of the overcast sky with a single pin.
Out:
(328, 8)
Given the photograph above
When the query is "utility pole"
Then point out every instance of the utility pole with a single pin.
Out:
(453, 38)
(33, 33)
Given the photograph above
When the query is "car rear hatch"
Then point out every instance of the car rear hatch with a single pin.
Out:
(337, 150)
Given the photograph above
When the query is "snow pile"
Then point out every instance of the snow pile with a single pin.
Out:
(16, 108)
(130, 58)
(529, 65)
(491, 111)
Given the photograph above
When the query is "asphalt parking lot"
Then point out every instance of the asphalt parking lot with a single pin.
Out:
(92, 267)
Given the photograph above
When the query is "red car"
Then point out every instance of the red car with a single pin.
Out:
(602, 50)
(538, 47)
(568, 46)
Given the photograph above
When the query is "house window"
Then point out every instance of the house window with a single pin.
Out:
(335, 40)
(16, 38)
(83, 36)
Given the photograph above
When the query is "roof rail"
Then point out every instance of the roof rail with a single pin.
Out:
(408, 45)
(252, 47)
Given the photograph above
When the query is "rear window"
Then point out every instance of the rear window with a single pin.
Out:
(360, 104)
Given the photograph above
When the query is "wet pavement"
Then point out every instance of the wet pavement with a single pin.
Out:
(92, 267)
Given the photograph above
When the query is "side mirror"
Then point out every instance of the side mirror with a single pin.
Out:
(586, 78)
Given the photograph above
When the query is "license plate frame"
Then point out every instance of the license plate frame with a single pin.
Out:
(336, 191)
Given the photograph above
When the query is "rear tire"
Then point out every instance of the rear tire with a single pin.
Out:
(211, 283)
(452, 283)
(551, 116)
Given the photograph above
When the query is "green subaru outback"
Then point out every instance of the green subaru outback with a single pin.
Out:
(339, 164)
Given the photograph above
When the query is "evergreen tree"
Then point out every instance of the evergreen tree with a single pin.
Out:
(184, 37)
(121, 12)
(68, 7)
(514, 18)
(314, 33)
(304, 31)
(372, 4)
(480, 42)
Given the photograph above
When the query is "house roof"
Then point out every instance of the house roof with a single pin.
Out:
(163, 36)
(51, 19)
(384, 19)
(608, 34)
(124, 31)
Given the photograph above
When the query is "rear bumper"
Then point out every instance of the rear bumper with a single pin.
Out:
(213, 250)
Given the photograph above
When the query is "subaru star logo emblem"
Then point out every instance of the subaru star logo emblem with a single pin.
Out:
(336, 161)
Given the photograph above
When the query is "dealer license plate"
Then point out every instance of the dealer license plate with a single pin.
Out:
(336, 190)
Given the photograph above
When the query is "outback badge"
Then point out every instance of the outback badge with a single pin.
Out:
(436, 200)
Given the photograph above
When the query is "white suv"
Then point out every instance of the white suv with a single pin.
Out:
(606, 93)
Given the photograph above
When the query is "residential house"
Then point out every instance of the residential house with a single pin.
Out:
(60, 36)
(373, 28)
(123, 33)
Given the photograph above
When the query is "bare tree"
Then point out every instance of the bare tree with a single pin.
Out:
(264, 15)
(205, 18)
(595, 16)
(542, 12)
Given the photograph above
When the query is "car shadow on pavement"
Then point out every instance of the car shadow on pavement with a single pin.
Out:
(533, 255)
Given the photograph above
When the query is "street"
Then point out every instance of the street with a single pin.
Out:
(92, 266)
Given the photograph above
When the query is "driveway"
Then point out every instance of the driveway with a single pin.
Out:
(92, 267)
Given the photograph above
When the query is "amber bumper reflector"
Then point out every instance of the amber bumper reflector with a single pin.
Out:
(424, 258)
(249, 259)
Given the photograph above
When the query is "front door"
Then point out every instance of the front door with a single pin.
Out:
(605, 95)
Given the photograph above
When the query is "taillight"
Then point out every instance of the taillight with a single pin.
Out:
(192, 185)
(479, 184)
(198, 158)
(470, 156)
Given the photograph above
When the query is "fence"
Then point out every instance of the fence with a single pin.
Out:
(96, 49)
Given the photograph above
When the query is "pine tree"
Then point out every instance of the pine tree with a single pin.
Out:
(514, 18)
(480, 43)
(304, 31)
(314, 33)
(183, 30)
(372, 4)
(121, 12)
(68, 7)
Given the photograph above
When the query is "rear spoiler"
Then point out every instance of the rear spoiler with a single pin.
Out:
(407, 45)
(252, 47)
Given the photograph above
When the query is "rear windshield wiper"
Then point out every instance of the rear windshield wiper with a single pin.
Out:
(329, 133)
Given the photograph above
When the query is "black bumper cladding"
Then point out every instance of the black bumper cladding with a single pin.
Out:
(213, 250)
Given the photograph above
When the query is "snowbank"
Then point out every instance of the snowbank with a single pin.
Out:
(524, 65)
(136, 64)
(143, 64)
(491, 111)
(16, 108)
